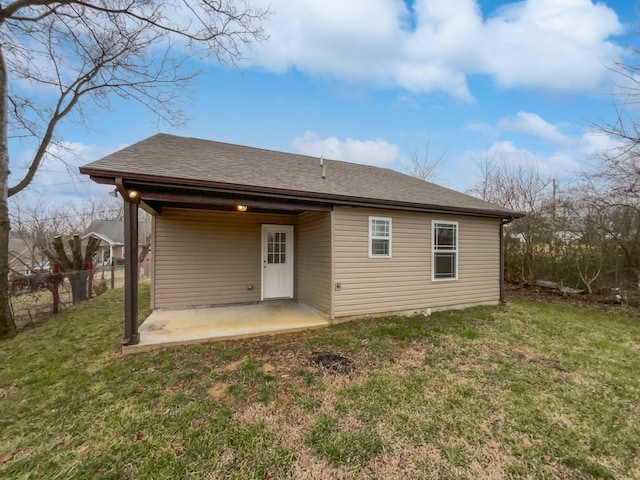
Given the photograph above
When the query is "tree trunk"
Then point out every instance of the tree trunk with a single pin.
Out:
(74, 266)
(78, 281)
(7, 325)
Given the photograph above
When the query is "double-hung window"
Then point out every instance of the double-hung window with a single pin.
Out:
(379, 237)
(444, 250)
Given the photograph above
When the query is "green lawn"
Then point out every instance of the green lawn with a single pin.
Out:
(527, 390)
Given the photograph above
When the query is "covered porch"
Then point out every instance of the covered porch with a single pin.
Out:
(225, 251)
(165, 328)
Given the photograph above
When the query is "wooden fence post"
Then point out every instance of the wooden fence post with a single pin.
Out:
(113, 268)
(55, 289)
(90, 282)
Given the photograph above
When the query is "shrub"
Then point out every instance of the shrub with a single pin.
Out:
(100, 287)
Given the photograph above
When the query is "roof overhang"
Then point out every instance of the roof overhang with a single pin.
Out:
(102, 237)
(156, 193)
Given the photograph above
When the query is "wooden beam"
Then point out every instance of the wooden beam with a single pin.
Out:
(149, 209)
(194, 199)
(131, 334)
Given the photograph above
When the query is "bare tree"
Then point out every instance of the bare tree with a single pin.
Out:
(424, 165)
(79, 54)
(612, 187)
(73, 262)
(35, 222)
(589, 263)
(521, 187)
(31, 227)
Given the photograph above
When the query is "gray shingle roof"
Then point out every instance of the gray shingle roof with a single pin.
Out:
(17, 245)
(183, 160)
(110, 230)
(113, 230)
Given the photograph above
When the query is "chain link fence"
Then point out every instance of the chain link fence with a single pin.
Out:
(35, 298)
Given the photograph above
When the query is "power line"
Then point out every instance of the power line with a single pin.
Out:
(113, 210)
(65, 183)
(35, 184)
(40, 169)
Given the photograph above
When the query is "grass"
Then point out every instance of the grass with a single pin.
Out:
(527, 390)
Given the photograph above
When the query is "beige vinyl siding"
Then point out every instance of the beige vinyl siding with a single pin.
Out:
(313, 260)
(403, 282)
(208, 258)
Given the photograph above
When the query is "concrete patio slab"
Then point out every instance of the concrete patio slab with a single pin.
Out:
(164, 328)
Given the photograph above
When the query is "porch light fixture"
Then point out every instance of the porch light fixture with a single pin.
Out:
(133, 194)
(114, 193)
(241, 208)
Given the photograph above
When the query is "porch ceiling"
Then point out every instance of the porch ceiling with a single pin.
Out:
(158, 200)
(155, 197)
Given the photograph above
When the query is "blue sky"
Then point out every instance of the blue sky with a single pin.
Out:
(369, 81)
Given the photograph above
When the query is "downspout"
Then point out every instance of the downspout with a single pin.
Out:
(504, 222)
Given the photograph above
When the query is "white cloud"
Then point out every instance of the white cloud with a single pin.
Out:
(555, 45)
(558, 45)
(325, 37)
(575, 155)
(483, 128)
(593, 144)
(377, 152)
(588, 145)
(560, 165)
(533, 124)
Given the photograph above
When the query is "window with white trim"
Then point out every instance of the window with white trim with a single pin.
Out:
(444, 259)
(379, 237)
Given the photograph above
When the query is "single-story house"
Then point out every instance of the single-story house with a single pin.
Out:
(20, 255)
(25, 257)
(111, 236)
(233, 224)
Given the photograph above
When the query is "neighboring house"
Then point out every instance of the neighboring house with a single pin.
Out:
(517, 237)
(111, 235)
(567, 236)
(24, 257)
(235, 224)
(20, 255)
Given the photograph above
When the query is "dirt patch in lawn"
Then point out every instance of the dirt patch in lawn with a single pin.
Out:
(412, 357)
(218, 390)
(529, 358)
(234, 365)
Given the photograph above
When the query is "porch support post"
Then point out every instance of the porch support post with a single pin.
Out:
(131, 335)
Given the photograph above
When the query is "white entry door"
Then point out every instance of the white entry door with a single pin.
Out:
(277, 261)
